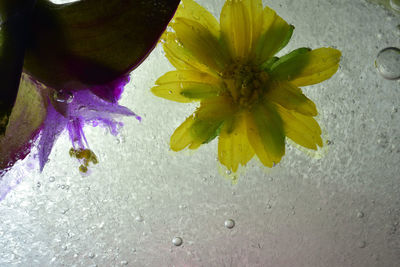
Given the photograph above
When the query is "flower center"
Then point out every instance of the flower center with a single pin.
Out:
(245, 83)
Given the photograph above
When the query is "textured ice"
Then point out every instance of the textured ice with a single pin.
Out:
(303, 212)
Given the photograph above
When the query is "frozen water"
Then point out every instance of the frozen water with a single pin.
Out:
(359, 111)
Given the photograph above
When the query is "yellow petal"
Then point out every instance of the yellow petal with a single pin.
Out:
(185, 135)
(275, 35)
(302, 129)
(185, 92)
(181, 138)
(290, 97)
(187, 86)
(255, 8)
(191, 10)
(241, 26)
(233, 145)
(265, 134)
(216, 108)
(188, 76)
(204, 125)
(309, 68)
(179, 56)
(200, 42)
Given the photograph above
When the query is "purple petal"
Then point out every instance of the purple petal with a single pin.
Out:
(111, 124)
(53, 125)
(76, 134)
(91, 107)
(111, 91)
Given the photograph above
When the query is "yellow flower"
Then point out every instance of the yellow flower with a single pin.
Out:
(248, 97)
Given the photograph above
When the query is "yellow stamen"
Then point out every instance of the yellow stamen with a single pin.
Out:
(85, 156)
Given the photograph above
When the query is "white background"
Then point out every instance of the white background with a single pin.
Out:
(340, 210)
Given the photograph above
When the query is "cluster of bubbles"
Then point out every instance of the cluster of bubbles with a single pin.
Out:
(178, 241)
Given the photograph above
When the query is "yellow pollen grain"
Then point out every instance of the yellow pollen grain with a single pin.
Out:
(85, 156)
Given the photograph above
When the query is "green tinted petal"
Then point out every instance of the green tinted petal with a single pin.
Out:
(266, 134)
(201, 43)
(206, 130)
(290, 56)
(310, 67)
(93, 41)
(204, 125)
(290, 97)
(275, 36)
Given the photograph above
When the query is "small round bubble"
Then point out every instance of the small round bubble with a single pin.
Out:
(362, 244)
(139, 218)
(63, 96)
(388, 63)
(177, 241)
(229, 224)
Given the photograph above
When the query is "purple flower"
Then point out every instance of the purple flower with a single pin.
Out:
(72, 111)
(76, 59)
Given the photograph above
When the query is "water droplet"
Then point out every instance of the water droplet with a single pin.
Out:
(65, 211)
(62, 186)
(388, 63)
(139, 218)
(395, 4)
(269, 206)
(229, 172)
(124, 262)
(52, 179)
(329, 142)
(149, 197)
(81, 108)
(271, 179)
(362, 244)
(63, 96)
(360, 214)
(91, 255)
(177, 241)
(38, 185)
(229, 223)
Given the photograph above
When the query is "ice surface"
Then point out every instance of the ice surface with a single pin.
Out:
(304, 212)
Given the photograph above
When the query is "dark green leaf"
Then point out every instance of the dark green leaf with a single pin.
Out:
(15, 16)
(93, 42)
